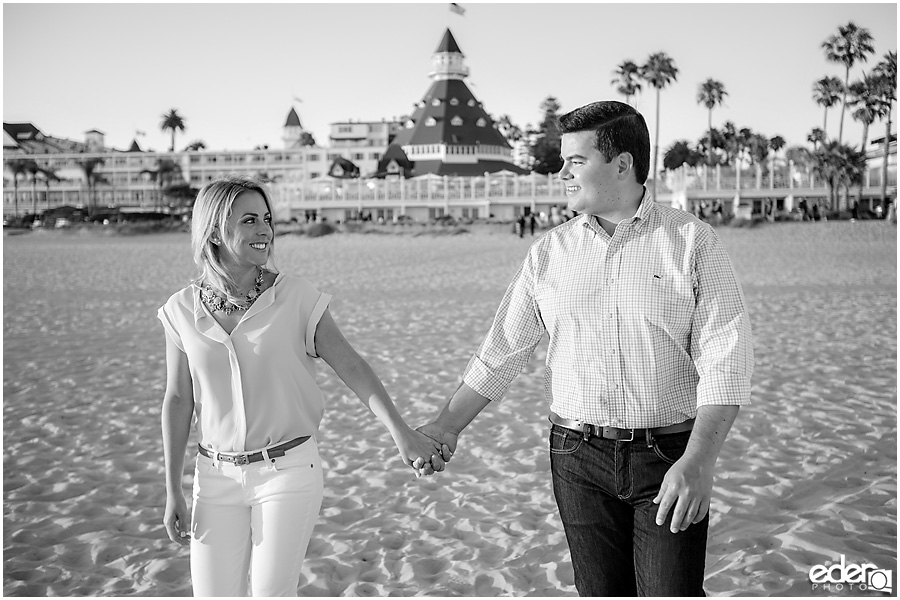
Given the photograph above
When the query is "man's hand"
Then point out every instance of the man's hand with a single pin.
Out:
(687, 486)
(445, 438)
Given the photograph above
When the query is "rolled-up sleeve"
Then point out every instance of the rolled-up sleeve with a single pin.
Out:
(516, 331)
(721, 338)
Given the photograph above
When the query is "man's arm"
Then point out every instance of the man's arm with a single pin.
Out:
(688, 483)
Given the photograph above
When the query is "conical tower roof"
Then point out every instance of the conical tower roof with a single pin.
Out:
(448, 44)
(293, 119)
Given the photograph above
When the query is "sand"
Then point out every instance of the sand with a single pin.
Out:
(808, 473)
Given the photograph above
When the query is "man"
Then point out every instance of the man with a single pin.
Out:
(650, 357)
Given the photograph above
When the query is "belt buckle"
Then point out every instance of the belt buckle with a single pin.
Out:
(631, 439)
(241, 459)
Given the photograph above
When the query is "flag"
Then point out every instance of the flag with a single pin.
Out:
(139, 132)
(296, 99)
(457, 8)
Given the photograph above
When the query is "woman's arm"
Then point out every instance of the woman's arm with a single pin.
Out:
(359, 377)
(177, 410)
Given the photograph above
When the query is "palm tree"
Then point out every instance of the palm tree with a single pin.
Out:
(840, 166)
(33, 170)
(17, 166)
(48, 176)
(826, 92)
(732, 143)
(165, 172)
(91, 176)
(680, 153)
(659, 71)
(711, 94)
(195, 145)
(886, 70)
(849, 45)
(867, 98)
(173, 122)
(816, 137)
(627, 79)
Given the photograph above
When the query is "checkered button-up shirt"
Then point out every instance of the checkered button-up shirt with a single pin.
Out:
(644, 326)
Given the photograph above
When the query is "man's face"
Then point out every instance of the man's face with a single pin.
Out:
(592, 184)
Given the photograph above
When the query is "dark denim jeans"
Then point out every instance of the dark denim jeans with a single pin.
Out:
(605, 490)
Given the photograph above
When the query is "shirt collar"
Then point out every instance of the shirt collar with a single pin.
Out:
(645, 209)
(202, 315)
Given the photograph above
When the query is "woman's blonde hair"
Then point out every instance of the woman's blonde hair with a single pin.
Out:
(209, 217)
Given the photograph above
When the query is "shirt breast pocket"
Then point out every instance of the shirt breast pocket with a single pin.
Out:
(668, 303)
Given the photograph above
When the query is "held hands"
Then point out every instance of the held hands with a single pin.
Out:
(417, 449)
(687, 487)
(177, 520)
(439, 435)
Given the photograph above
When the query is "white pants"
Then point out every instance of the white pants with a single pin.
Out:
(254, 522)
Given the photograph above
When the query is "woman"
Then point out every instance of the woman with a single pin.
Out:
(241, 343)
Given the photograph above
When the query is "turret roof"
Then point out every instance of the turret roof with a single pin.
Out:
(293, 119)
(450, 101)
(448, 44)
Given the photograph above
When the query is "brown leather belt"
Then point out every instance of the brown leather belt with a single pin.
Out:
(615, 433)
(245, 458)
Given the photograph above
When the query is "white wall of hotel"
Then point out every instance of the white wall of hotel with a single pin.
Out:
(302, 189)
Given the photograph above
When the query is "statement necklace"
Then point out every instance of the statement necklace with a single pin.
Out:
(216, 302)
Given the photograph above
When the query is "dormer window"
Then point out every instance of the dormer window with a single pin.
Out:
(456, 121)
(454, 102)
(436, 102)
(410, 124)
(430, 122)
(471, 102)
(481, 122)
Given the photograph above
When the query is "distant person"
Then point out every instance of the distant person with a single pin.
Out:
(816, 215)
(520, 225)
(717, 210)
(649, 361)
(854, 210)
(804, 210)
(241, 344)
(532, 221)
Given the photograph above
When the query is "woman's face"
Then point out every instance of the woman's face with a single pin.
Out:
(248, 232)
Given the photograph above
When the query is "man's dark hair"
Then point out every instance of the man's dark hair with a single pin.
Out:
(620, 128)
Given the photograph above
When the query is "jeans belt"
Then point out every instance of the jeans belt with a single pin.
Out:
(245, 458)
(616, 433)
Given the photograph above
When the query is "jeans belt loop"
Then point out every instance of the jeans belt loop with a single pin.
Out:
(586, 429)
(649, 434)
(270, 462)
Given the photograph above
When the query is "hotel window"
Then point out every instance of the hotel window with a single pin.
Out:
(314, 157)
(333, 155)
(375, 156)
(457, 121)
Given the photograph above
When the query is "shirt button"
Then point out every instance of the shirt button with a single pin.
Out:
(611, 280)
(609, 316)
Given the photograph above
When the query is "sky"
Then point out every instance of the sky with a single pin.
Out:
(234, 71)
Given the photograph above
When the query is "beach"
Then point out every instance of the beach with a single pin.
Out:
(807, 474)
